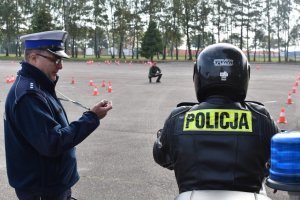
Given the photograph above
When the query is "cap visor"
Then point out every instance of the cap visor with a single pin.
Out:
(60, 53)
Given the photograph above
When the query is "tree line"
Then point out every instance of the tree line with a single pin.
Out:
(154, 27)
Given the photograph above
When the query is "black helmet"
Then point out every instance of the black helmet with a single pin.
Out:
(221, 69)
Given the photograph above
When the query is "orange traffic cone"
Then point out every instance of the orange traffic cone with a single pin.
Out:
(91, 83)
(294, 90)
(282, 119)
(89, 62)
(103, 83)
(12, 79)
(109, 89)
(296, 83)
(7, 80)
(95, 92)
(72, 81)
(289, 100)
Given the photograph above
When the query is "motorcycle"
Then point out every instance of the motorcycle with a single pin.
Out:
(220, 195)
(284, 173)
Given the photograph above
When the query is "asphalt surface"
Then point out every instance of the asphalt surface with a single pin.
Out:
(115, 161)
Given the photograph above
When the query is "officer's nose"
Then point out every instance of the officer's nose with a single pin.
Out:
(59, 65)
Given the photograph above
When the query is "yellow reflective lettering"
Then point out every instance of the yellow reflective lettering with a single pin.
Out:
(200, 120)
(223, 123)
(221, 120)
(243, 122)
(190, 118)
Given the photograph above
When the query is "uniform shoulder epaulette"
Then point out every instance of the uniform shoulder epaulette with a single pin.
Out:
(186, 104)
(255, 102)
(182, 108)
(26, 86)
(257, 107)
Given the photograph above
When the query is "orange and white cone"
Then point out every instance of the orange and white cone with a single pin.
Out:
(109, 89)
(95, 91)
(12, 79)
(91, 83)
(103, 83)
(89, 62)
(72, 81)
(294, 90)
(289, 99)
(282, 119)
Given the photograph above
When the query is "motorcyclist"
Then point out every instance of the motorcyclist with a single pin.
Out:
(222, 142)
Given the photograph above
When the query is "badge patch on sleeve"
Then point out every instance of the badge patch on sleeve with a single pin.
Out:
(218, 120)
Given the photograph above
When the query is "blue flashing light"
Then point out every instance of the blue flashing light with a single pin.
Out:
(285, 158)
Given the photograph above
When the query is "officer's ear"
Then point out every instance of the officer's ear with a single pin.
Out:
(30, 55)
(33, 57)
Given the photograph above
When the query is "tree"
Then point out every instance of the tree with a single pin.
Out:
(286, 11)
(151, 42)
(122, 17)
(99, 20)
(239, 11)
(152, 7)
(77, 18)
(137, 26)
(41, 20)
(295, 36)
(268, 10)
(253, 13)
(201, 21)
(205, 40)
(179, 21)
(219, 18)
(187, 21)
(258, 41)
(8, 24)
(176, 9)
(257, 26)
(166, 27)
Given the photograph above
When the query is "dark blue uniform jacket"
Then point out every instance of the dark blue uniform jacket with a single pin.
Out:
(39, 141)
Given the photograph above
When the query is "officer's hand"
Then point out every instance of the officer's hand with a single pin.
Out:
(102, 108)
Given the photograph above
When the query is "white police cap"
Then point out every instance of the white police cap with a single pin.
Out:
(53, 41)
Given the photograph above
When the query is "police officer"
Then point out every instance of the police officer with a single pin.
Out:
(39, 140)
(222, 142)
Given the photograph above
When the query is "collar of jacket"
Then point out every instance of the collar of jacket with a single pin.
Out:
(40, 78)
(220, 99)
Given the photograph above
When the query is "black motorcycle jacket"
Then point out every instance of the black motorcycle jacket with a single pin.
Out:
(216, 145)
